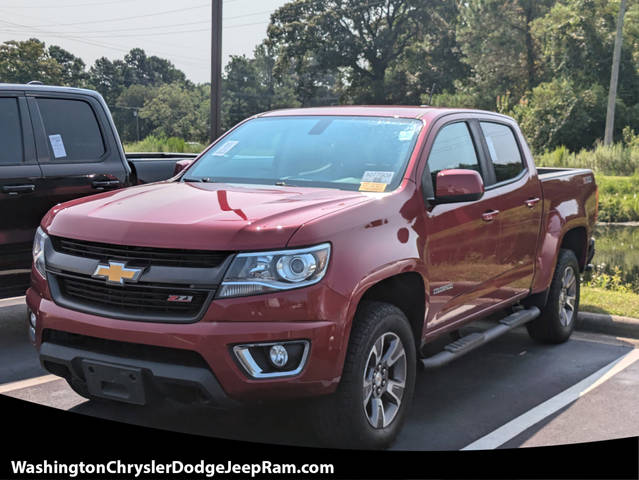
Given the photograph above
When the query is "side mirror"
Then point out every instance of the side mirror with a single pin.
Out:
(458, 186)
(182, 165)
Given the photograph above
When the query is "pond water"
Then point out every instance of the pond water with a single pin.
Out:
(618, 245)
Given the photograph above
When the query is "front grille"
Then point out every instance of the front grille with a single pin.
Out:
(170, 257)
(130, 301)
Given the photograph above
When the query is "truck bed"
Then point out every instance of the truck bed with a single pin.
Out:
(156, 166)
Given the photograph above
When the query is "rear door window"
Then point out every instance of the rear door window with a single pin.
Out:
(73, 133)
(504, 151)
(11, 151)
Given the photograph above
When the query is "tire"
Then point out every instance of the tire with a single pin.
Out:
(558, 316)
(347, 417)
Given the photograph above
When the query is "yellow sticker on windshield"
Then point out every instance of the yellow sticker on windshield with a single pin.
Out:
(372, 187)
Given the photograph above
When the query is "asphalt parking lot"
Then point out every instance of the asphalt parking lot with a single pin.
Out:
(510, 393)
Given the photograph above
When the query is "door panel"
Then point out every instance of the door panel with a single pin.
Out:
(76, 157)
(20, 195)
(519, 198)
(461, 245)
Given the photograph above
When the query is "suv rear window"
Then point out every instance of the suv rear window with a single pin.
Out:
(10, 132)
(503, 149)
(72, 130)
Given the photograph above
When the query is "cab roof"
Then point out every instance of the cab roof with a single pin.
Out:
(422, 112)
(22, 87)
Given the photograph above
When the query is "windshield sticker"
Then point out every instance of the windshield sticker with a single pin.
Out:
(225, 148)
(377, 177)
(406, 135)
(372, 187)
(58, 146)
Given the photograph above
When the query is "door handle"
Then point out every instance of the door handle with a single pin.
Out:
(102, 184)
(490, 215)
(531, 202)
(17, 189)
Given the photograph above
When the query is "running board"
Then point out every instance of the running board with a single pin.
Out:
(470, 342)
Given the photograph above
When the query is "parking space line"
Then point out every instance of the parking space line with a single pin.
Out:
(522, 423)
(30, 382)
(13, 301)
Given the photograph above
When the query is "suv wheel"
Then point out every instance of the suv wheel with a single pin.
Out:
(377, 385)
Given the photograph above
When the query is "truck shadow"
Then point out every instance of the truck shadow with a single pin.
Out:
(452, 407)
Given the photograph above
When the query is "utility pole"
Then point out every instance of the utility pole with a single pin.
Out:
(137, 122)
(614, 77)
(216, 67)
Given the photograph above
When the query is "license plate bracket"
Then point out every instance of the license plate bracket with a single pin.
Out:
(114, 382)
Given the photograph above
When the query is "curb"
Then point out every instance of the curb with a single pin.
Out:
(608, 324)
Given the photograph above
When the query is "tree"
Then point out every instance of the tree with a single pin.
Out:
(110, 78)
(577, 42)
(22, 62)
(176, 110)
(73, 68)
(498, 45)
(361, 42)
(560, 112)
(251, 86)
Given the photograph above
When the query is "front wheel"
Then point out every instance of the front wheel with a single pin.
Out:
(377, 383)
(558, 316)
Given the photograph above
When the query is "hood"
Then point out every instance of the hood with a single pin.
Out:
(208, 216)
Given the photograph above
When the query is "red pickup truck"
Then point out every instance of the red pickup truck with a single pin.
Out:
(313, 253)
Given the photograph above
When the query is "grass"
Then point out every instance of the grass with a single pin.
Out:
(599, 300)
(163, 144)
(617, 159)
(618, 199)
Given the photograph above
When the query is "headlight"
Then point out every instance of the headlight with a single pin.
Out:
(38, 251)
(262, 272)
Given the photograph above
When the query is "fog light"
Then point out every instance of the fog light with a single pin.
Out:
(32, 319)
(278, 355)
(273, 359)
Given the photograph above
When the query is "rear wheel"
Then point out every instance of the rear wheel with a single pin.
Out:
(558, 316)
(377, 384)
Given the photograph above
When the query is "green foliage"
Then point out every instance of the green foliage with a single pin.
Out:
(154, 143)
(545, 62)
(618, 199)
(498, 45)
(21, 62)
(617, 159)
(178, 111)
(379, 51)
(598, 300)
(599, 277)
(561, 113)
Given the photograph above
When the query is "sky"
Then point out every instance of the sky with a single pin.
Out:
(179, 31)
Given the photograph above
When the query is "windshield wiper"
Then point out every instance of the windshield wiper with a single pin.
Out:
(203, 179)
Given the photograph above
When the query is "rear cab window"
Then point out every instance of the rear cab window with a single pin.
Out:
(503, 150)
(12, 152)
(72, 130)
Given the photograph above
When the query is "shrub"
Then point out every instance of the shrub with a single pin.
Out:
(154, 143)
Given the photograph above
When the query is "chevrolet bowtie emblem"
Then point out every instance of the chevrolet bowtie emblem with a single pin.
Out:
(117, 273)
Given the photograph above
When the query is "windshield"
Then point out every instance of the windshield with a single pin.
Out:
(351, 153)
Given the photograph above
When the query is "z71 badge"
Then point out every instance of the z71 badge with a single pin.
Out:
(180, 298)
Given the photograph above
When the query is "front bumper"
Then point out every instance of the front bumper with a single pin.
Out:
(212, 340)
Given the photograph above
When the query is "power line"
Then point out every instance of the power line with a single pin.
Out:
(110, 31)
(99, 44)
(165, 12)
(67, 6)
